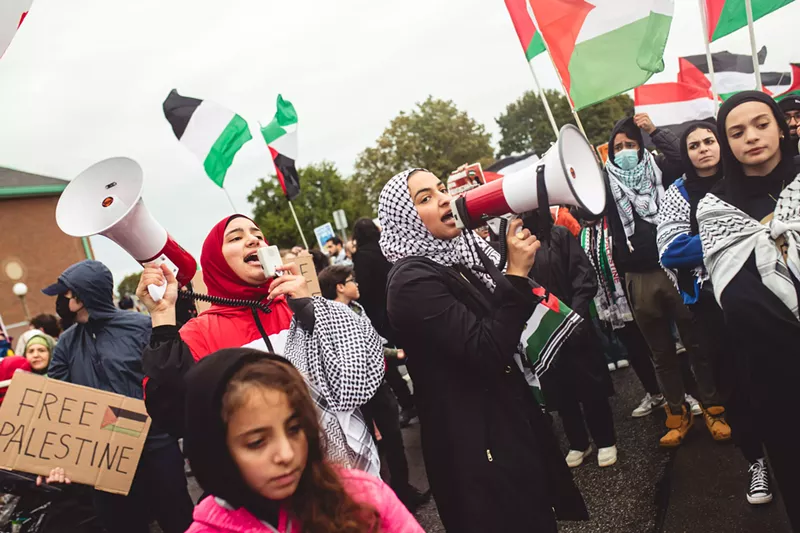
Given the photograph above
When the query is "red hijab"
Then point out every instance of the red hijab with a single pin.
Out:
(219, 277)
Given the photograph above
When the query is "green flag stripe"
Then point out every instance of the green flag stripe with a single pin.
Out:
(535, 47)
(222, 152)
(734, 16)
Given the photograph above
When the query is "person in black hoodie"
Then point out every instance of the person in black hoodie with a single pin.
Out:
(580, 375)
(636, 180)
(749, 231)
(790, 105)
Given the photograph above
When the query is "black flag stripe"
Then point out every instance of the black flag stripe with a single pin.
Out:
(287, 174)
(179, 110)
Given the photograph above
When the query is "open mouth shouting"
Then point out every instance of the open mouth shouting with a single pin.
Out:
(448, 218)
(252, 260)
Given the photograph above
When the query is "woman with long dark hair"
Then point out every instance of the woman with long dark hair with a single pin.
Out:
(750, 230)
(255, 444)
(492, 460)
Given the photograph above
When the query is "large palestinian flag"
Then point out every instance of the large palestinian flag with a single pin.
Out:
(281, 138)
(12, 13)
(671, 105)
(732, 72)
(727, 16)
(606, 47)
(214, 134)
(522, 17)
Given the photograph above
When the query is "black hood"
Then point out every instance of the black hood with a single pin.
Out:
(93, 283)
(205, 438)
(629, 128)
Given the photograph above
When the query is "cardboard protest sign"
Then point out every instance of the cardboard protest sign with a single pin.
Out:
(307, 269)
(95, 436)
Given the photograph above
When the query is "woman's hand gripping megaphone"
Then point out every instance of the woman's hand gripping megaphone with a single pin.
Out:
(163, 310)
(522, 248)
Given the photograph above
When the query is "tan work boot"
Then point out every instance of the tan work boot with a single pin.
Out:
(716, 424)
(678, 426)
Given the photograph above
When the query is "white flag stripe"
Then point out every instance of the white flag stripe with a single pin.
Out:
(728, 82)
(609, 15)
(286, 144)
(206, 125)
(678, 112)
(519, 165)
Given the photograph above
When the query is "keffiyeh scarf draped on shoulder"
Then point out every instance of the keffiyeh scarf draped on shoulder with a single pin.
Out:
(730, 236)
(610, 301)
(638, 189)
(342, 360)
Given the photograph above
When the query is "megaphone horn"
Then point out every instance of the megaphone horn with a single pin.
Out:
(106, 199)
(571, 176)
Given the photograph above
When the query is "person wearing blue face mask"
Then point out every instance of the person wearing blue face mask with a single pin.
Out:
(636, 181)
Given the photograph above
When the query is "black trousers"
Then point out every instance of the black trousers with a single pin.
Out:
(398, 384)
(382, 409)
(598, 417)
(640, 356)
(158, 491)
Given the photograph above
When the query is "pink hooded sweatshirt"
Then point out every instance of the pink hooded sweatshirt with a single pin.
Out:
(210, 516)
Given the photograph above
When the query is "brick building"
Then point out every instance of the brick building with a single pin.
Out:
(33, 250)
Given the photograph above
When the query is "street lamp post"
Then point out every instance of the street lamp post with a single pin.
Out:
(21, 290)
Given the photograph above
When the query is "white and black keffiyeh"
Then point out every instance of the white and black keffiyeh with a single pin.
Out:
(730, 236)
(639, 188)
(674, 220)
(342, 360)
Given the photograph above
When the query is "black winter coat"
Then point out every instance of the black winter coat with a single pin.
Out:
(580, 370)
(492, 460)
(372, 269)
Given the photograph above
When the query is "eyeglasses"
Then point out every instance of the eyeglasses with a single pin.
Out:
(350, 280)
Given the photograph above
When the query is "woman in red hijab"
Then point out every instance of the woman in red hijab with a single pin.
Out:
(339, 364)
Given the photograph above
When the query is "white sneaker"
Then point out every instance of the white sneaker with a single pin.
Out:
(611, 367)
(623, 363)
(607, 456)
(679, 348)
(694, 405)
(575, 457)
(647, 405)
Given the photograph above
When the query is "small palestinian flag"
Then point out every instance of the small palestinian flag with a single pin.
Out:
(548, 328)
(672, 105)
(727, 16)
(281, 138)
(522, 17)
(794, 86)
(211, 132)
(123, 421)
(732, 72)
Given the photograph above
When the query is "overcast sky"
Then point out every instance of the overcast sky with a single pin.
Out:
(84, 80)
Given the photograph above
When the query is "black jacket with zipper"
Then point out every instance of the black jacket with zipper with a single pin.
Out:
(492, 460)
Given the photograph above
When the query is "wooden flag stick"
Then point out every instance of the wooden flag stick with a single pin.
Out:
(296, 221)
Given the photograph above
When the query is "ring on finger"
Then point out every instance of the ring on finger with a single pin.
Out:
(521, 235)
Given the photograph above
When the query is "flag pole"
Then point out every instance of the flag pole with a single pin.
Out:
(296, 221)
(709, 58)
(229, 200)
(544, 100)
(566, 93)
(748, 6)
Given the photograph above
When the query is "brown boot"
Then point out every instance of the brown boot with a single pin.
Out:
(678, 426)
(716, 424)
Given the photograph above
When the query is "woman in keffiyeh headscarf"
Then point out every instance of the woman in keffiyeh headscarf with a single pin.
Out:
(750, 230)
(490, 454)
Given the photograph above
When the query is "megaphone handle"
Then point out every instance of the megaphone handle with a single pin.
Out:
(157, 291)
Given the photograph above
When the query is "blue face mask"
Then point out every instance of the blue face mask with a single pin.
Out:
(626, 159)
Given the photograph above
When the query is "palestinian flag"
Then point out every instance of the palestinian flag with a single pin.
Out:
(510, 165)
(732, 72)
(281, 138)
(606, 47)
(776, 82)
(211, 132)
(12, 14)
(123, 421)
(727, 16)
(794, 86)
(670, 105)
(522, 17)
(547, 329)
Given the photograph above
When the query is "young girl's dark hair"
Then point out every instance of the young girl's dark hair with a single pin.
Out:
(320, 502)
(365, 231)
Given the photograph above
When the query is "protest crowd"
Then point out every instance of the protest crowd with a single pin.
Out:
(287, 399)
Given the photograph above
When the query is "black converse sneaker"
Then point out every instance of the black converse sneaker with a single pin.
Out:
(759, 492)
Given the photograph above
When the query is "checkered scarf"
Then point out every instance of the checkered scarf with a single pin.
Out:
(730, 236)
(342, 360)
(639, 188)
(404, 234)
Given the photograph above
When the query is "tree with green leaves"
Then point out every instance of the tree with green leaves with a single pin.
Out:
(524, 125)
(127, 287)
(322, 191)
(435, 135)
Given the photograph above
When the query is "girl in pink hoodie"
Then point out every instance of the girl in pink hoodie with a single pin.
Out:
(254, 443)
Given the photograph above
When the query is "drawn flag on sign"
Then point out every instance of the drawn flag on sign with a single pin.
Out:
(123, 421)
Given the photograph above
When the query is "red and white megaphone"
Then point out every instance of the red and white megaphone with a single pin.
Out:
(568, 174)
(106, 199)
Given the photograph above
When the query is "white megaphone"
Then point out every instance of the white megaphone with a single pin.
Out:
(568, 174)
(106, 199)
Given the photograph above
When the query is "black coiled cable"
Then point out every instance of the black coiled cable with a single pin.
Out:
(229, 302)
(503, 244)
